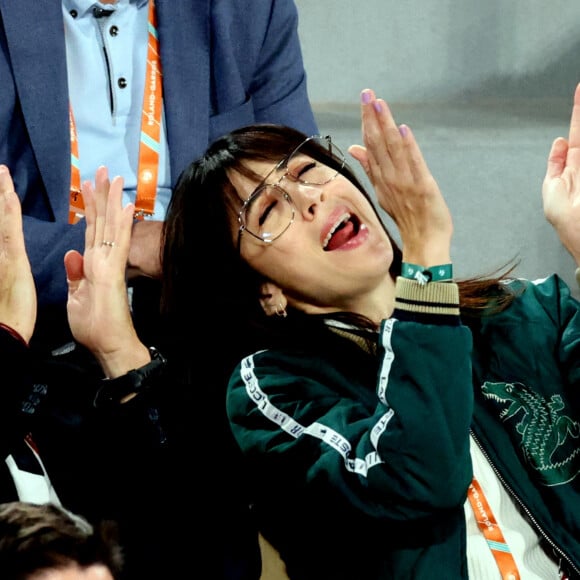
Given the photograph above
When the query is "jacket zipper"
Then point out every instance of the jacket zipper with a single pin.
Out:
(531, 518)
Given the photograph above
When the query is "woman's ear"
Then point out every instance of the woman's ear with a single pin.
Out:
(272, 300)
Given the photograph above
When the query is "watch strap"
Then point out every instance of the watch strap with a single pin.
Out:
(114, 391)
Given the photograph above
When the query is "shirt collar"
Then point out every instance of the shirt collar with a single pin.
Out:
(84, 6)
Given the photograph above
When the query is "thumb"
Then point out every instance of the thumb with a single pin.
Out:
(557, 158)
(360, 154)
(73, 264)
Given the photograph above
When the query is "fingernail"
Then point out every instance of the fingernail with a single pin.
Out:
(366, 97)
(403, 130)
(378, 106)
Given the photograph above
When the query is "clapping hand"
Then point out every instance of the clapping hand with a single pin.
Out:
(404, 186)
(98, 306)
(561, 186)
(17, 290)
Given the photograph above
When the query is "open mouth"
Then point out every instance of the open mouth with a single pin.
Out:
(345, 229)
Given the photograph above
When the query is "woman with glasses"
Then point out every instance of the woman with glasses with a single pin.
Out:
(396, 423)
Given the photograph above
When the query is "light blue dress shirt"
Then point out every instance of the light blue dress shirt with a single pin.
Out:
(106, 62)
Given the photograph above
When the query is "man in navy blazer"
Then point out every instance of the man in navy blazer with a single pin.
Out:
(226, 63)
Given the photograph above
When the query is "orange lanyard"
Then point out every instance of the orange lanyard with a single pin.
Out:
(76, 205)
(492, 532)
(149, 146)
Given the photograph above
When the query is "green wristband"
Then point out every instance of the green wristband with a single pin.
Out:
(422, 275)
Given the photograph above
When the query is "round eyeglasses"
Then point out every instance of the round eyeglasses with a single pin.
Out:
(269, 211)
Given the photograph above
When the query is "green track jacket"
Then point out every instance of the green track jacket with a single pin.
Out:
(361, 460)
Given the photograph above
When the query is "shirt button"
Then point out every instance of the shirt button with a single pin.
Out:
(114, 30)
(74, 13)
(122, 82)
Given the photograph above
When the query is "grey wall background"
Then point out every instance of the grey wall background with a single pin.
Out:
(439, 49)
(486, 87)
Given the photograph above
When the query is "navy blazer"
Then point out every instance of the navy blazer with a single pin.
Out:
(226, 63)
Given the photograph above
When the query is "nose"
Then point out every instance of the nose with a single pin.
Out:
(307, 198)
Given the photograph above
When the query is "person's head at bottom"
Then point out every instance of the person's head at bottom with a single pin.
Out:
(47, 542)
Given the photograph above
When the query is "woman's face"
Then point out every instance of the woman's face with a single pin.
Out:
(332, 255)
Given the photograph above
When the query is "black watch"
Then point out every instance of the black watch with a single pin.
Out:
(113, 391)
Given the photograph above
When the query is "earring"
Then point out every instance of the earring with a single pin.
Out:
(281, 311)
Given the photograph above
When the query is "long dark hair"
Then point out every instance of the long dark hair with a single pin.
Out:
(198, 247)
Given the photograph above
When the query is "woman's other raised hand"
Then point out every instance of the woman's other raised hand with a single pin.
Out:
(561, 186)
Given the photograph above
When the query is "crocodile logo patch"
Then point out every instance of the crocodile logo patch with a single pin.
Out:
(548, 439)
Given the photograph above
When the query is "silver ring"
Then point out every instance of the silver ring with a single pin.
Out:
(106, 243)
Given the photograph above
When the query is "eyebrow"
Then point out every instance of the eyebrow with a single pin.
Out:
(281, 164)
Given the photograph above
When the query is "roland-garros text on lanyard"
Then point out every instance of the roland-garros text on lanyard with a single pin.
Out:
(492, 532)
(149, 146)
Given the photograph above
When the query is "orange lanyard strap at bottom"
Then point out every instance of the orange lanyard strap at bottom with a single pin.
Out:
(492, 532)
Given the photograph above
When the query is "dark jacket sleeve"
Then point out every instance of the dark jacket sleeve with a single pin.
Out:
(15, 360)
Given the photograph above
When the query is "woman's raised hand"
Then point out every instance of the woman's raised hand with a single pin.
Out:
(17, 291)
(404, 186)
(561, 186)
(98, 306)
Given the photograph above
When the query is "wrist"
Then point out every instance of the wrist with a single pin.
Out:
(115, 363)
(14, 333)
(423, 275)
